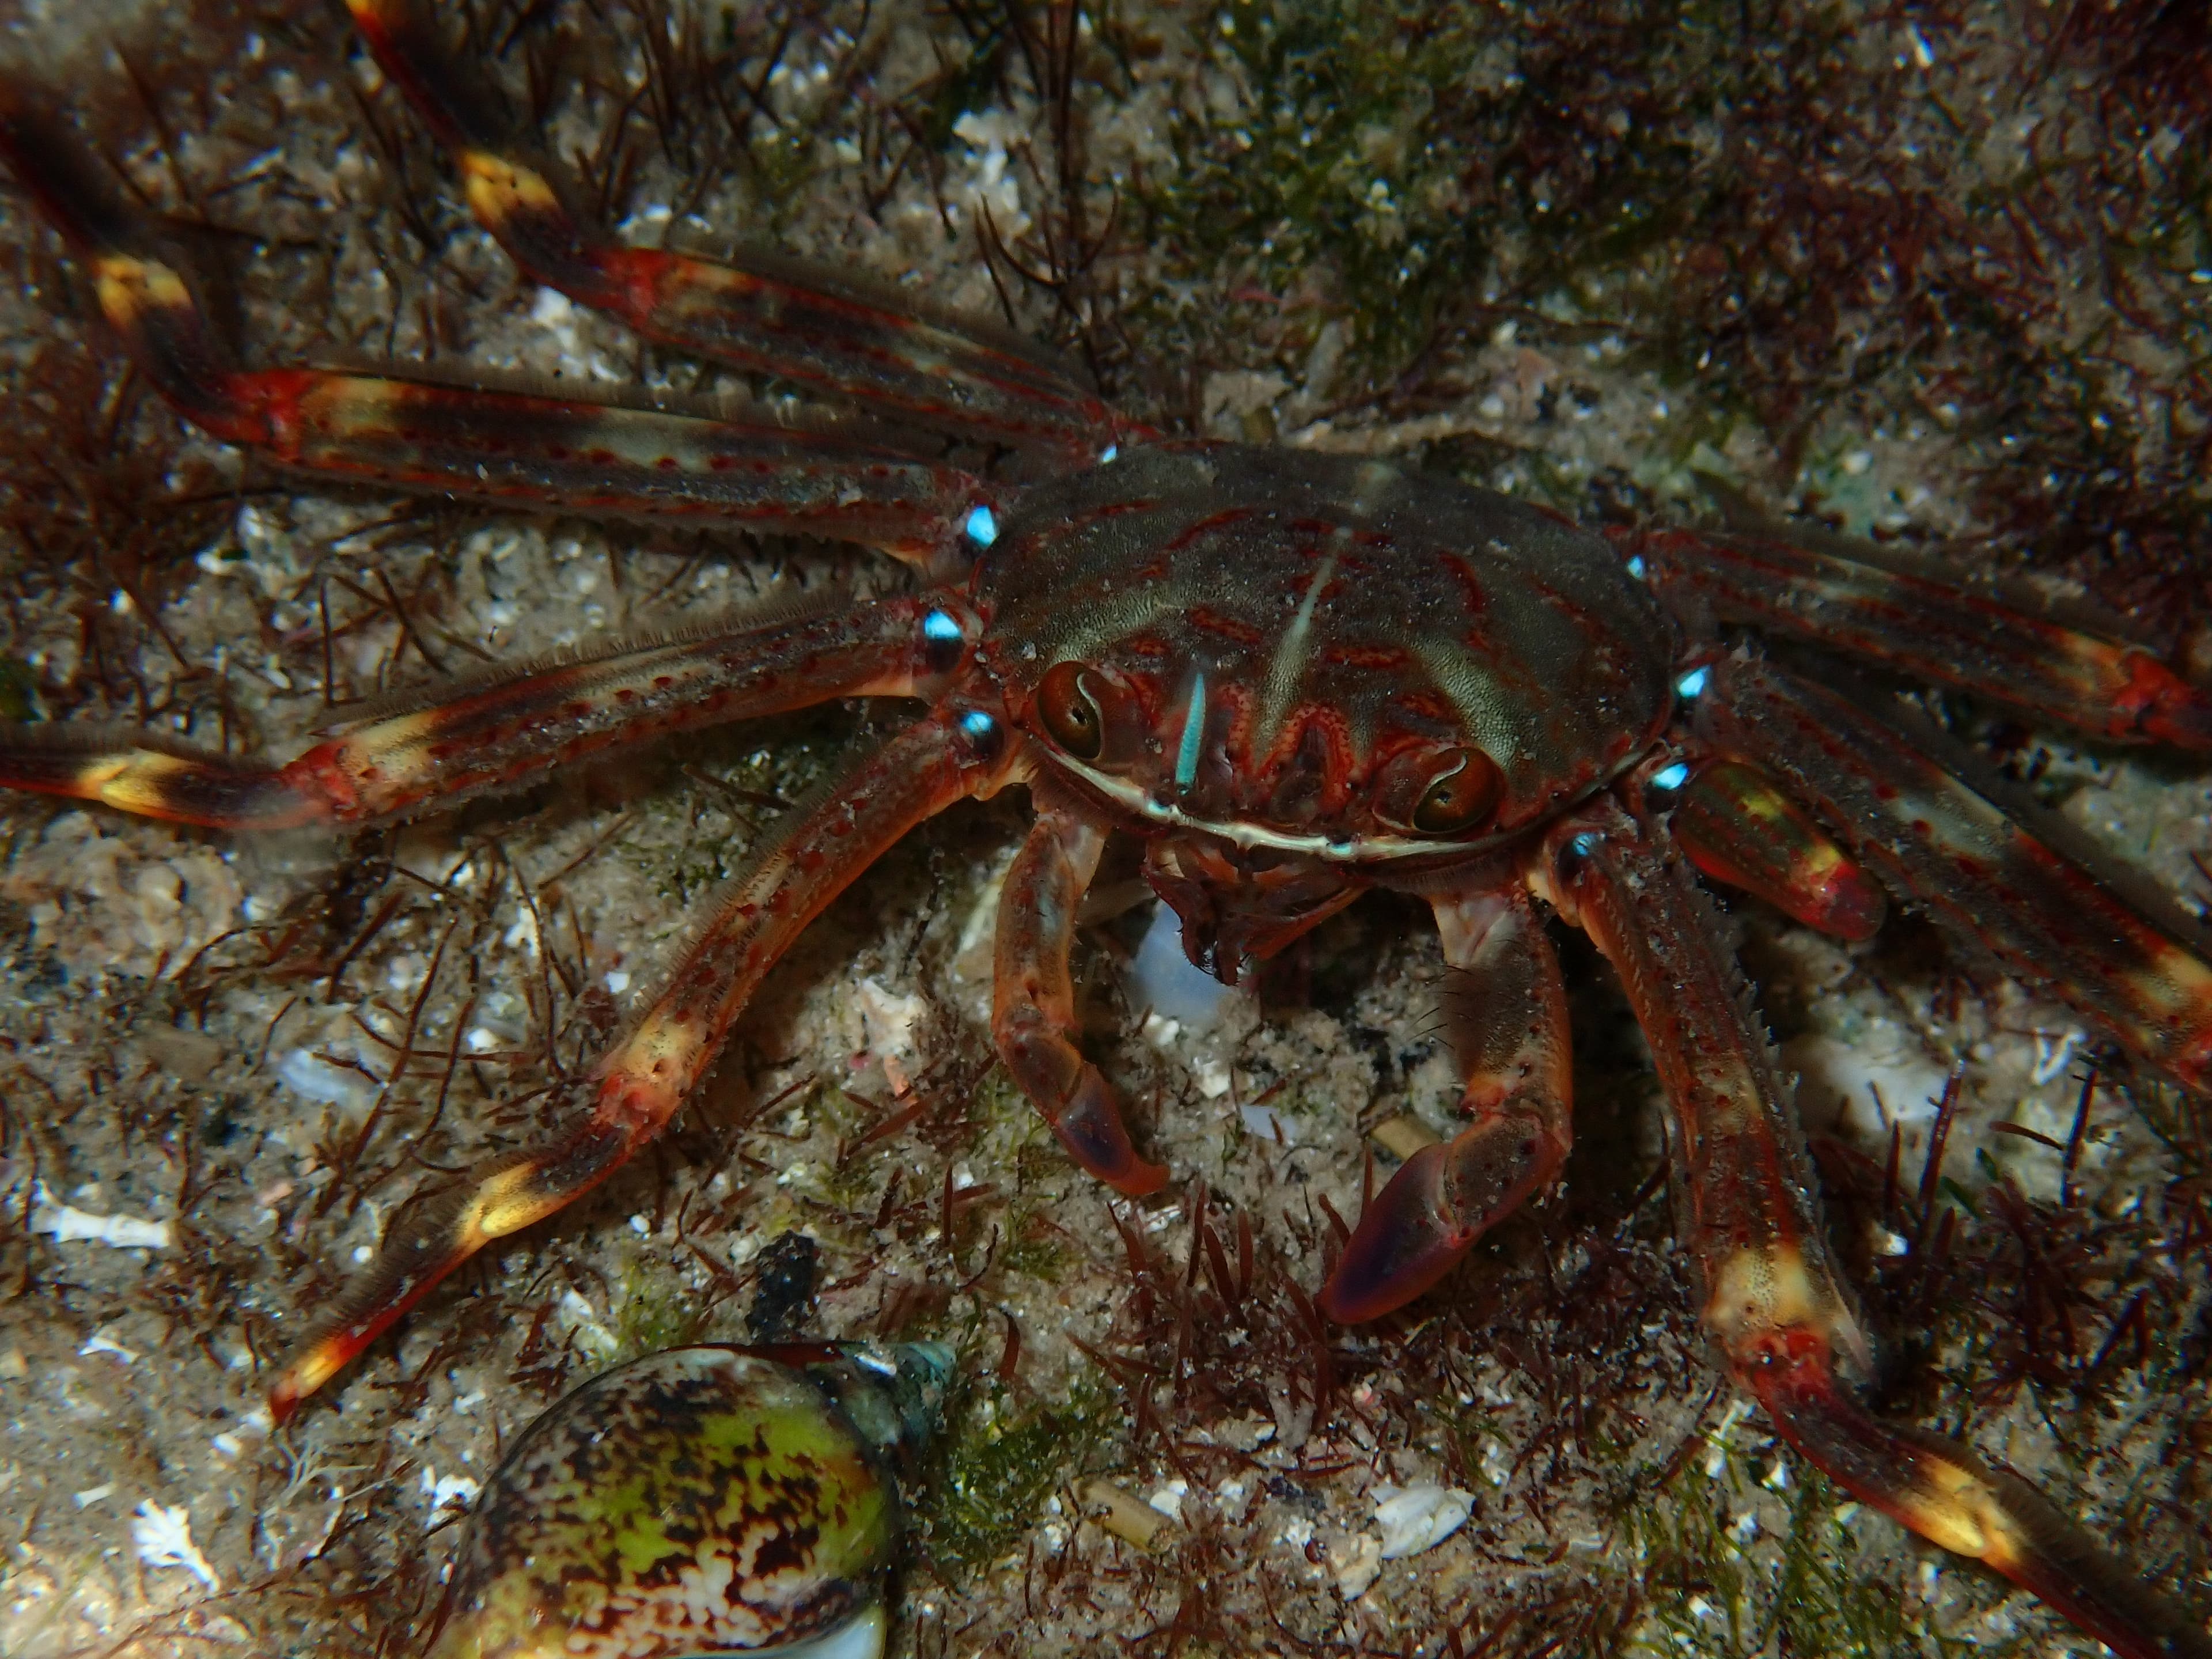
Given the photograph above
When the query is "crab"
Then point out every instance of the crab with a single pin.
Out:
(1294, 678)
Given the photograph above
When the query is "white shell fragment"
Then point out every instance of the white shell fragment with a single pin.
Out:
(71, 1226)
(163, 1538)
(890, 1019)
(1419, 1517)
(310, 1075)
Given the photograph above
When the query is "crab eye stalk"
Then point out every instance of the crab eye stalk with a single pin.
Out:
(1071, 713)
(1461, 795)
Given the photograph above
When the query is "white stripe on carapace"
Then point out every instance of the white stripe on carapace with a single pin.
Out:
(1461, 676)
(1288, 665)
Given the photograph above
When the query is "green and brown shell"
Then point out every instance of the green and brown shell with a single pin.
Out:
(700, 1501)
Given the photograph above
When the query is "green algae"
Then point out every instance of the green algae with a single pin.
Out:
(1002, 1460)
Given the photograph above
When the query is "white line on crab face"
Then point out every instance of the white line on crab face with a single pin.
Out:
(1194, 734)
(1349, 850)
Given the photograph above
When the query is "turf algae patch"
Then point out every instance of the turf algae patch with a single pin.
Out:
(1832, 254)
(1743, 1550)
(1313, 157)
(1579, 170)
(1004, 1458)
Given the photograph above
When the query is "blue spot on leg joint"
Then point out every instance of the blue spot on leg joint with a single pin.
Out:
(940, 627)
(982, 525)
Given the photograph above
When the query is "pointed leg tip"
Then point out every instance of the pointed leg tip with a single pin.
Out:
(295, 1383)
(1942, 1491)
(1852, 908)
(312, 1365)
(380, 16)
(284, 1398)
(1140, 1180)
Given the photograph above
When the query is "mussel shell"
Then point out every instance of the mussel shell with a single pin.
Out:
(700, 1501)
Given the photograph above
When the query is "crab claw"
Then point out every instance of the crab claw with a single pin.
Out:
(1440, 1200)
(1508, 1029)
(1410, 1235)
(1089, 1126)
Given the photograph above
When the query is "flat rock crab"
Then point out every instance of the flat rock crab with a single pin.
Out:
(1295, 677)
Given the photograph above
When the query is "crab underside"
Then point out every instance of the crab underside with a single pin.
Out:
(1294, 678)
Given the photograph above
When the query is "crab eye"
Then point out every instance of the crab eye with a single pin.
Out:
(1071, 714)
(1462, 794)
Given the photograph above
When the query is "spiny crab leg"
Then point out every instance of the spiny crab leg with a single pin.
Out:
(1033, 998)
(418, 432)
(1509, 1036)
(759, 312)
(1773, 1303)
(1934, 630)
(1987, 876)
(956, 753)
(501, 733)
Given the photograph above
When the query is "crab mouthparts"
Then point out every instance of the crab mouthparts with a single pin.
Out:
(1240, 905)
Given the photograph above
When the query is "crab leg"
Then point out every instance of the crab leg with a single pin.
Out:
(1738, 828)
(760, 312)
(636, 1087)
(1773, 1303)
(2045, 917)
(1033, 998)
(1935, 630)
(1509, 1030)
(501, 733)
(418, 433)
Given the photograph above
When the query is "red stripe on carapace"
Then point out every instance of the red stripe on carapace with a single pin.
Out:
(1209, 524)
(1105, 511)
(1470, 589)
(1340, 762)
(1227, 628)
(1429, 705)
(1366, 656)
